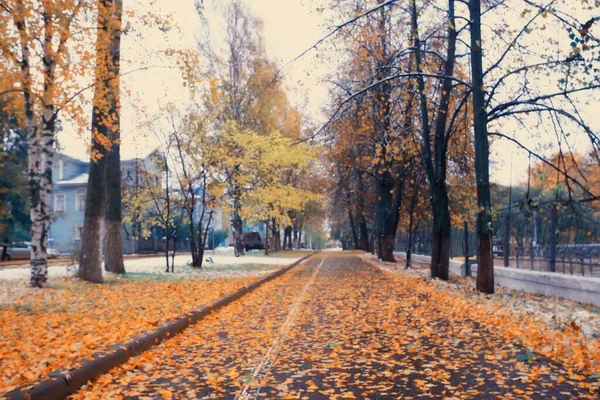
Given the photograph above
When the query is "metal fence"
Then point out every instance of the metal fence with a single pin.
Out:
(150, 246)
(543, 239)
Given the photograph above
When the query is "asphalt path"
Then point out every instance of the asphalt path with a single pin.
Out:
(335, 327)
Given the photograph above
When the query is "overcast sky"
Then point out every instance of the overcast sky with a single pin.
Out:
(290, 27)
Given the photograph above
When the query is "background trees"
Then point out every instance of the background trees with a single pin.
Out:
(256, 130)
(451, 106)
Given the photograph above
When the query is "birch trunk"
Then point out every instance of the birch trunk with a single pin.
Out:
(39, 258)
(40, 151)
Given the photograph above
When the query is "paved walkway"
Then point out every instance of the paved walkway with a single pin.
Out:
(335, 327)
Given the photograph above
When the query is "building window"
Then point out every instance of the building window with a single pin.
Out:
(61, 170)
(80, 199)
(77, 232)
(60, 202)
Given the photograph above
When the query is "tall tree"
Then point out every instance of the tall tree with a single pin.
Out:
(485, 260)
(114, 215)
(105, 120)
(436, 162)
(43, 28)
(524, 79)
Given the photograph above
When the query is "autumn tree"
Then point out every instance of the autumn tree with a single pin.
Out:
(114, 214)
(262, 163)
(195, 163)
(246, 91)
(45, 62)
(372, 120)
(435, 153)
(525, 78)
(104, 155)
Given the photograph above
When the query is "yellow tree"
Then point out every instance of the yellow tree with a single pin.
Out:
(244, 87)
(259, 164)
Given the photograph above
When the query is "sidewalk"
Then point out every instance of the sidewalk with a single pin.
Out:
(336, 328)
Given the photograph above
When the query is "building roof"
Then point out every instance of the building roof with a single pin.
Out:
(81, 179)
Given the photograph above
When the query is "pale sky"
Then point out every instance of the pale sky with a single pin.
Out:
(290, 27)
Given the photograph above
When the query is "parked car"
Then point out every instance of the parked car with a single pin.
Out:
(18, 251)
(22, 251)
(253, 241)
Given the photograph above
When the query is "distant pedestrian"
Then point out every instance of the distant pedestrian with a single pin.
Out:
(5, 244)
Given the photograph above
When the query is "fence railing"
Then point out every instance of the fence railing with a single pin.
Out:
(152, 245)
(534, 249)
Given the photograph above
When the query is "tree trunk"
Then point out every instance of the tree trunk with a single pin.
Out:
(103, 112)
(40, 151)
(409, 249)
(295, 243)
(485, 268)
(435, 164)
(360, 216)
(202, 239)
(353, 228)
(385, 218)
(168, 210)
(363, 234)
(90, 261)
(113, 260)
(237, 231)
(267, 238)
(193, 247)
(440, 251)
(174, 239)
(276, 237)
(287, 238)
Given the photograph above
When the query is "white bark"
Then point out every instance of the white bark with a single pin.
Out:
(40, 173)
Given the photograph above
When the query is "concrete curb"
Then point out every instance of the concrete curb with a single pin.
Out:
(582, 289)
(62, 383)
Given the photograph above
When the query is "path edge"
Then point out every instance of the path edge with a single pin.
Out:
(60, 384)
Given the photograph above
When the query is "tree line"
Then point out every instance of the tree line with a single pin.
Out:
(237, 144)
(425, 88)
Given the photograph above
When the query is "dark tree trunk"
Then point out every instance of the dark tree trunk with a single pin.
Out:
(435, 164)
(113, 259)
(193, 246)
(287, 238)
(353, 228)
(485, 268)
(363, 231)
(386, 223)
(360, 216)
(295, 243)
(409, 249)
(267, 243)
(276, 237)
(203, 237)
(90, 263)
(440, 251)
(237, 231)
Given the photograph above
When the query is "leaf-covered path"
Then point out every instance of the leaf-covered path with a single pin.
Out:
(335, 327)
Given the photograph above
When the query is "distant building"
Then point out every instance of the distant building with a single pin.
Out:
(68, 200)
